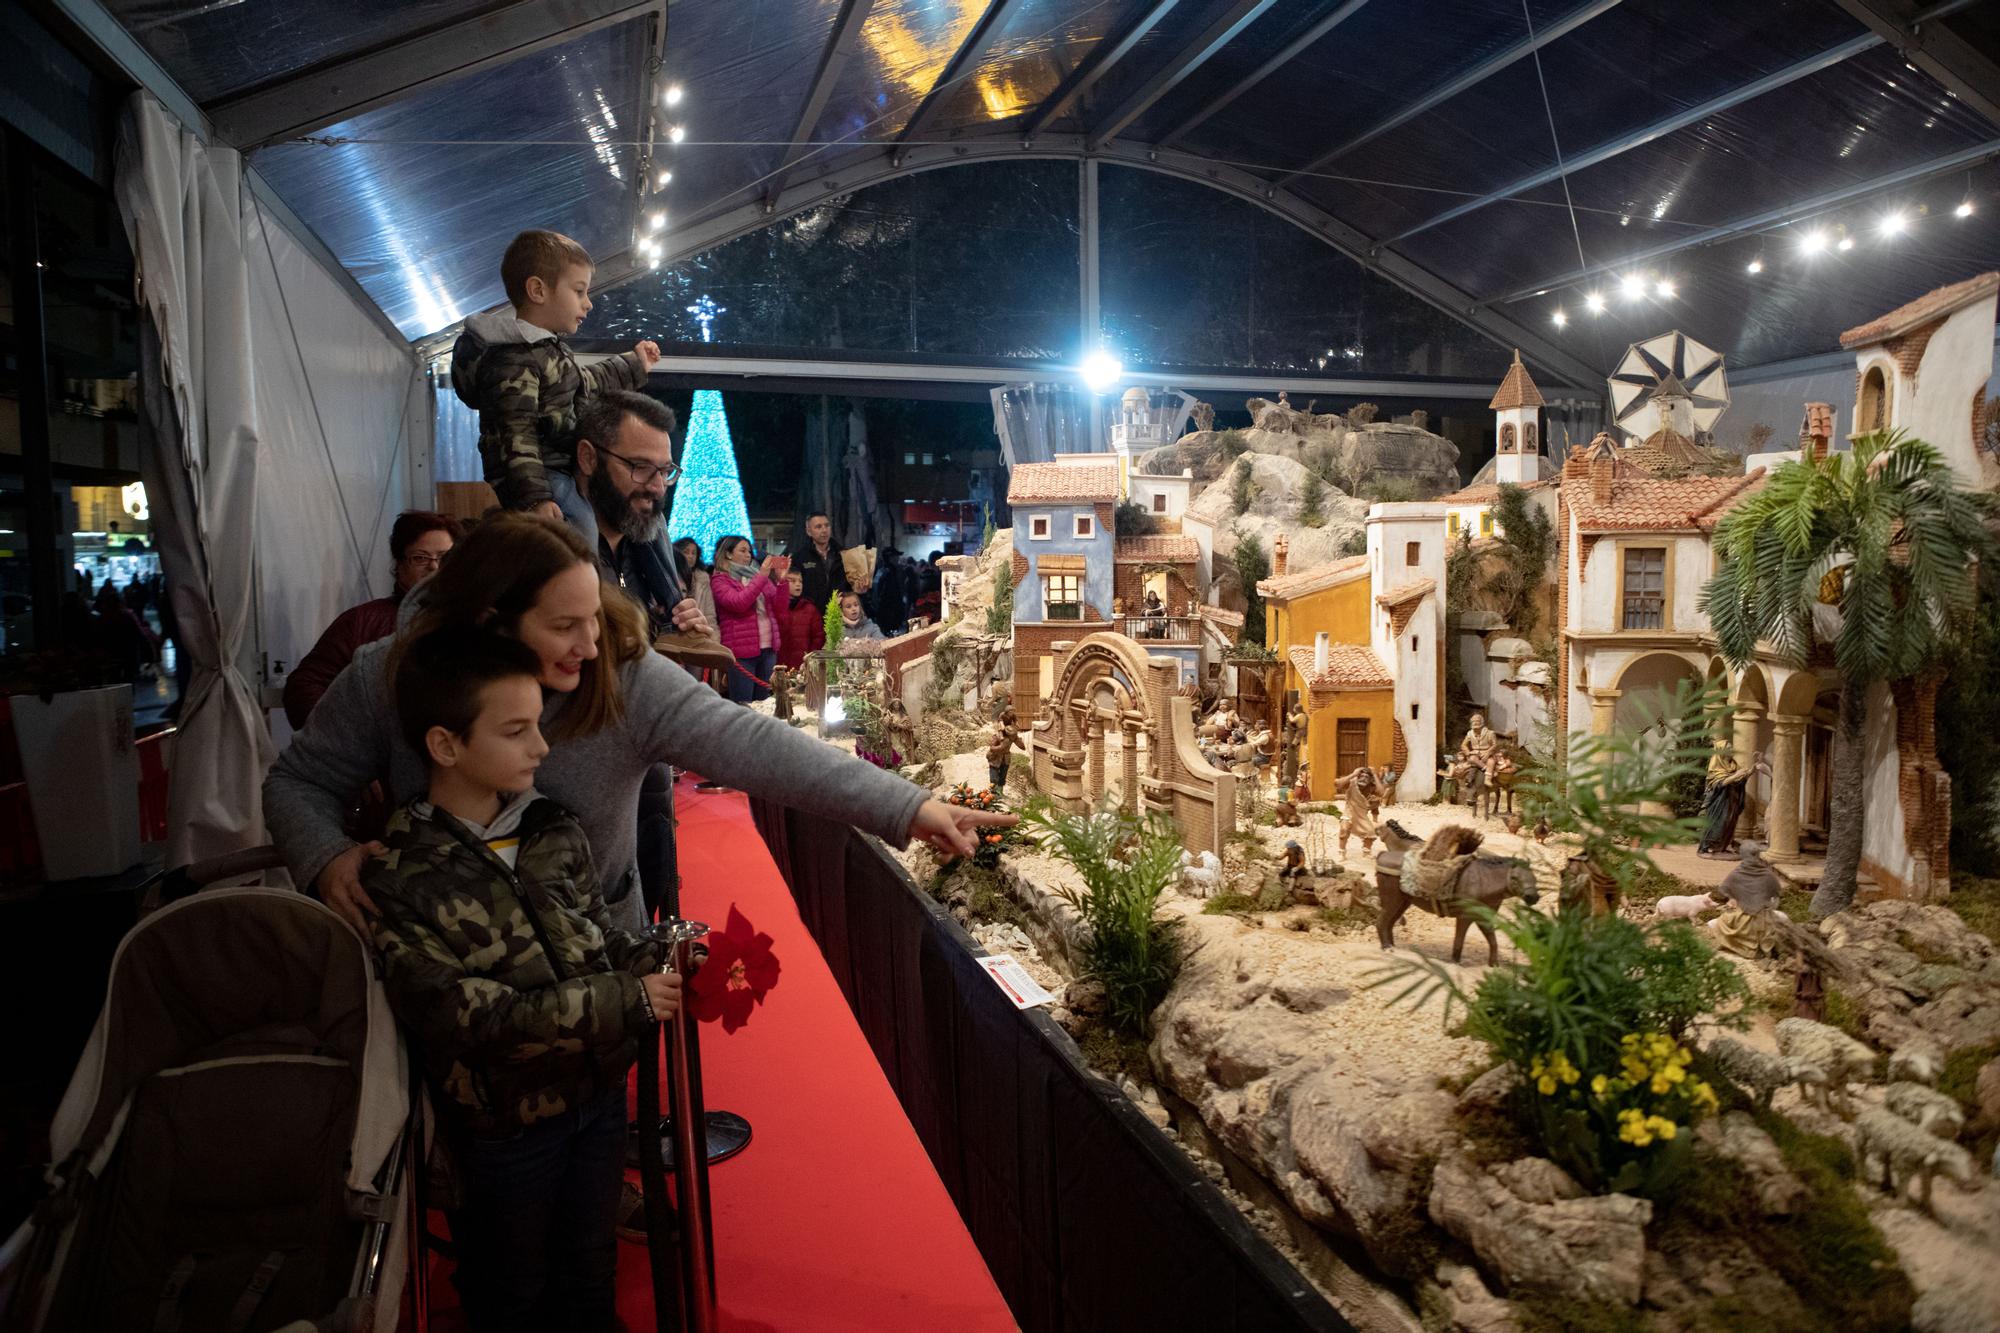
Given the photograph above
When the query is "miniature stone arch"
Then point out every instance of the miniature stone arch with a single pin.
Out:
(1066, 747)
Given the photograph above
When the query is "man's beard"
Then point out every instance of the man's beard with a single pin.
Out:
(615, 510)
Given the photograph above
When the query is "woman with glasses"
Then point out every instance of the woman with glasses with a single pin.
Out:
(418, 542)
(751, 599)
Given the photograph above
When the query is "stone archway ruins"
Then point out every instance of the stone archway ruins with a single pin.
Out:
(1105, 681)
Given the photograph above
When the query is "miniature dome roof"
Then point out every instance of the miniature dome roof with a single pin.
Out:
(1137, 399)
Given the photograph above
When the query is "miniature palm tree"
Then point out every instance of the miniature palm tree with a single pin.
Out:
(1884, 538)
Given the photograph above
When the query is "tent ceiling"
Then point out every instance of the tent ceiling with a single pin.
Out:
(1695, 134)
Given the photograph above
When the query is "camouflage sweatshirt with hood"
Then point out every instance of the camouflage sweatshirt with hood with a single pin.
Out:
(523, 996)
(527, 387)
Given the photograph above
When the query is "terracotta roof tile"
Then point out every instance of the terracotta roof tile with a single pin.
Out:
(1517, 390)
(1314, 579)
(1407, 592)
(1929, 306)
(1063, 483)
(1222, 616)
(1349, 666)
(1159, 550)
(1654, 504)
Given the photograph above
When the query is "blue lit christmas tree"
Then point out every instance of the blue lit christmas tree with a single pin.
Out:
(708, 499)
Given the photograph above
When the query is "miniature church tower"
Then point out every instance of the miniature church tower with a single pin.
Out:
(1517, 410)
(1138, 427)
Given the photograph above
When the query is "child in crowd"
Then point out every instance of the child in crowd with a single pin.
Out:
(527, 1003)
(514, 369)
(856, 627)
(802, 626)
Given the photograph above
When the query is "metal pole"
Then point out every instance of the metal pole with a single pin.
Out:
(696, 1290)
(47, 577)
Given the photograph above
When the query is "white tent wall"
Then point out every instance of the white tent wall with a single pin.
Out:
(344, 416)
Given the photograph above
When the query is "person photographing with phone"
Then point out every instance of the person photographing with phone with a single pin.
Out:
(750, 601)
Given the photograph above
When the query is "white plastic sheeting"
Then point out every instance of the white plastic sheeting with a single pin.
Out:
(289, 430)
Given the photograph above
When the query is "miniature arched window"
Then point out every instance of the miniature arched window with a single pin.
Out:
(1872, 412)
(1507, 438)
(1528, 442)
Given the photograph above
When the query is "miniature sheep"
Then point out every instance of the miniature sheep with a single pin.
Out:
(1903, 1146)
(1201, 875)
(1684, 906)
(1763, 1074)
(1843, 1059)
(1918, 1060)
(1925, 1108)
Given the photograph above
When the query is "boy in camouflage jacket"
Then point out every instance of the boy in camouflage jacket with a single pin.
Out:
(527, 1003)
(513, 368)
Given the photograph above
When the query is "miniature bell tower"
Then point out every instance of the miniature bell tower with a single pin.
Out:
(1517, 411)
(1139, 426)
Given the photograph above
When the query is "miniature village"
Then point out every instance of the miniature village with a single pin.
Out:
(1342, 780)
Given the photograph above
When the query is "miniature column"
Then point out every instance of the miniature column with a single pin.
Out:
(1132, 725)
(1093, 731)
(1603, 711)
(1787, 762)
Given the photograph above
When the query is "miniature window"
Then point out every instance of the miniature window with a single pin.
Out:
(1086, 525)
(1415, 639)
(1413, 553)
(1451, 524)
(1486, 523)
(927, 460)
(909, 459)
(1038, 527)
(1160, 502)
(1645, 602)
(1414, 708)
(1507, 438)
(1529, 444)
(1872, 412)
(1062, 597)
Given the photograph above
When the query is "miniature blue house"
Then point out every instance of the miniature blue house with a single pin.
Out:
(1064, 546)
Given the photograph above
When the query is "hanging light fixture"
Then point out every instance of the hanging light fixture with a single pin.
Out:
(1632, 286)
(676, 133)
(1594, 303)
(1559, 319)
(1755, 266)
(1814, 241)
(1893, 223)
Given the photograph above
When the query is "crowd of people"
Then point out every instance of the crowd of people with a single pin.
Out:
(509, 709)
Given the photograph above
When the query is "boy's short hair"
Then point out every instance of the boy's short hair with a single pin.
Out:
(440, 677)
(538, 254)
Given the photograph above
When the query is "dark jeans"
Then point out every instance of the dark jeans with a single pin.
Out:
(537, 1249)
(742, 689)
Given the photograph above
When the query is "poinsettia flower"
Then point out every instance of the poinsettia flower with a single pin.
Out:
(740, 970)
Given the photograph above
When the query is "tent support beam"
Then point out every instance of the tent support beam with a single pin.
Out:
(1625, 143)
(1769, 218)
(725, 224)
(1220, 33)
(1935, 49)
(1095, 66)
(1479, 73)
(994, 20)
(335, 92)
(1292, 51)
(840, 45)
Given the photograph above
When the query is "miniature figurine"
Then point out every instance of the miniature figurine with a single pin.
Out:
(781, 693)
(1481, 746)
(902, 732)
(1295, 861)
(1542, 829)
(1809, 991)
(1722, 803)
(1287, 815)
(1363, 790)
(1752, 888)
(1005, 739)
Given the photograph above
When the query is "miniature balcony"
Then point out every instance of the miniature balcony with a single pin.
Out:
(1162, 629)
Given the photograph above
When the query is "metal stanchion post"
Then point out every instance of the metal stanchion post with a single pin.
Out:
(696, 1293)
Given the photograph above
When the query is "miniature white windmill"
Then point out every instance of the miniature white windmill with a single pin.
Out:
(1668, 383)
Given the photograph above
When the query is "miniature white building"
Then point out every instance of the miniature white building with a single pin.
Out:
(1923, 368)
(1406, 557)
(1139, 426)
(1165, 499)
(1518, 408)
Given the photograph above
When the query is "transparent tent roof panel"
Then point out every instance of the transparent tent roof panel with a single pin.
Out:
(1041, 41)
(903, 50)
(418, 199)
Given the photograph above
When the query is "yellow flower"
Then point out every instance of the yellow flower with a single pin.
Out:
(1661, 1126)
(1659, 1085)
(1547, 1084)
(1599, 1084)
(1673, 1073)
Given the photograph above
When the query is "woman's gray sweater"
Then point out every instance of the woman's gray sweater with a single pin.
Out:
(669, 718)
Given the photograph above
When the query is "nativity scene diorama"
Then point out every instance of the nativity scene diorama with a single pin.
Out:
(1293, 714)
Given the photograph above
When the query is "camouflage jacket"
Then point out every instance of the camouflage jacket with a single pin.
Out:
(523, 997)
(527, 395)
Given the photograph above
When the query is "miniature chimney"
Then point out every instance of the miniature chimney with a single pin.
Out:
(1320, 642)
(1281, 549)
(1816, 433)
(1601, 468)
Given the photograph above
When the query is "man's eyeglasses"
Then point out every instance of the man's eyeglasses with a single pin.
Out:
(644, 472)
(423, 559)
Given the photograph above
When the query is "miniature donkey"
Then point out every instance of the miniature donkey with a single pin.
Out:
(1484, 880)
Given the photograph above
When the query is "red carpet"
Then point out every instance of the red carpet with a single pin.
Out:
(832, 1219)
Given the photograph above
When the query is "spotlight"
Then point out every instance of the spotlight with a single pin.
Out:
(1754, 266)
(663, 180)
(1559, 318)
(656, 220)
(1813, 242)
(676, 133)
(673, 95)
(1594, 303)
(1964, 209)
(1893, 224)
(656, 262)
(1101, 370)
(1632, 286)
(1846, 243)
(1664, 289)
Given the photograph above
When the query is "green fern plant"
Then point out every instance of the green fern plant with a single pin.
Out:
(1127, 865)
(1884, 536)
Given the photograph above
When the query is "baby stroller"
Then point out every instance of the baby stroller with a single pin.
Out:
(232, 1153)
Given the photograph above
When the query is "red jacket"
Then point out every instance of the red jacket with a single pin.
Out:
(802, 630)
(351, 629)
(736, 607)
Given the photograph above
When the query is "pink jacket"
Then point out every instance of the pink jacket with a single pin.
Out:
(736, 609)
